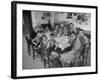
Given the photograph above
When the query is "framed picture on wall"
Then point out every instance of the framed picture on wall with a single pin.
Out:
(50, 39)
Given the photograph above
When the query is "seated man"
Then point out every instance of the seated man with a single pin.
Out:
(51, 43)
(71, 54)
(36, 42)
(52, 46)
(37, 39)
(43, 50)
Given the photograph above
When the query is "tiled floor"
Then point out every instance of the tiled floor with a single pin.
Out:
(28, 62)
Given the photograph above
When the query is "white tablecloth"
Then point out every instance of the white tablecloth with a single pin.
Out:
(63, 42)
